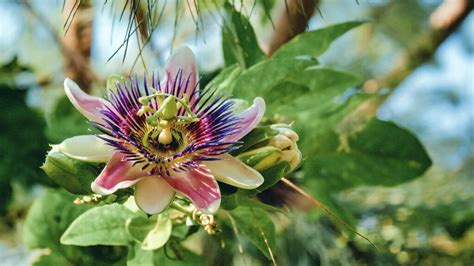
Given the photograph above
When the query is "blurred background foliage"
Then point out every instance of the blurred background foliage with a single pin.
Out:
(422, 220)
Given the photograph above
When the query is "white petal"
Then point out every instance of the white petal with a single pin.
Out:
(153, 194)
(87, 148)
(232, 171)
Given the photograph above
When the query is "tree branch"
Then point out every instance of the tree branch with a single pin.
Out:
(76, 44)
(444, 21)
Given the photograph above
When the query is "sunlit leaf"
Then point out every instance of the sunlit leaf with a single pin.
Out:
(262, 77)
(104, 225)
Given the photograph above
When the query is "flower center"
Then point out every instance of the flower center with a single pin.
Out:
(165, 134)
(169, 129)
(164, 141)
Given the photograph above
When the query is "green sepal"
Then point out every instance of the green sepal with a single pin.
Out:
(73, 175)
(261, 158)
(257, 136)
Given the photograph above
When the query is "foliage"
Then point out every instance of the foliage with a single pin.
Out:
(344, 147)
(65, 122)
(20, 124)
(49, 217)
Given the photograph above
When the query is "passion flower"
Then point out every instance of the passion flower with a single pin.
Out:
(165, 137)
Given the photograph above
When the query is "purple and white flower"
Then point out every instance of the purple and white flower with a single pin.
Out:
(165, 138)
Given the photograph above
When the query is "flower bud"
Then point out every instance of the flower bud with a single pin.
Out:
(286, 142)
(73, 175)
(276, 143)
(261, 158)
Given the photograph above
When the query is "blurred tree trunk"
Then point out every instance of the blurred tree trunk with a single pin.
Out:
(292, 20)
(77, 41)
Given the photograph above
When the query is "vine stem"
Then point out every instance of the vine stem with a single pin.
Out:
(318, 204)
(181, 208)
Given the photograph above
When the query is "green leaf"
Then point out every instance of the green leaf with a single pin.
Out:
(376, 153)
(183, 257)
(48, 217)
(139, 256)
(258, 227)
(73, 175)
(314, 42)
(244, 201)
(104, 225)
(152, 233)
(229, 202)
(320, 98)
(262, 77)
(239, 42)
(223, 81)
(182, 230)
(379, 154)
(313, 93)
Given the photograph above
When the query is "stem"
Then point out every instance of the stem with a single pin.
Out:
(181, 208)
(318, 204)
(444, 21)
